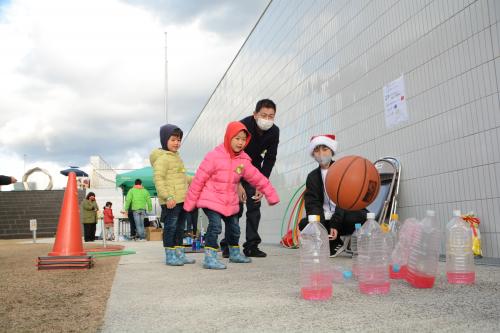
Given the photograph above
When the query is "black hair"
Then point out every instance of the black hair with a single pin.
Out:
(265, 103)
(90, 194)
(138, 182)
(108, 204)
(325, 146)
(177, 133)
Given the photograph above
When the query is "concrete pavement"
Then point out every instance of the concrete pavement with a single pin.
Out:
(148, 296)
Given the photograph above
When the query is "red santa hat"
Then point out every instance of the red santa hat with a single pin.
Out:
(325, 140)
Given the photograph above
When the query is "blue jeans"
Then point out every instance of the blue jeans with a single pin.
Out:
(139, 216)
(173, 225)
(232, 234)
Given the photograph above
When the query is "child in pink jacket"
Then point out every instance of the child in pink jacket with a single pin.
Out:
(214, 188)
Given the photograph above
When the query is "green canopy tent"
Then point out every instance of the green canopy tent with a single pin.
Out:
(127, 180)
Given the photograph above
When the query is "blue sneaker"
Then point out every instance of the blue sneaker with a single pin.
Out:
(172, 259)
(236, 256)
(210, 261)
(180, 252)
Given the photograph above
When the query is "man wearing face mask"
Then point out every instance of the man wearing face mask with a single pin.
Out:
(262, 149)
(337, 221)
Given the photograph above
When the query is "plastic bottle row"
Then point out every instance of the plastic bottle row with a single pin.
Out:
(407, 251)
(416, 254)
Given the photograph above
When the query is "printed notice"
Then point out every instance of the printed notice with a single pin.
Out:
(395, 103)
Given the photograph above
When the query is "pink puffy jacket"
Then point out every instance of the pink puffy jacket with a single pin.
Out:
(215, 185)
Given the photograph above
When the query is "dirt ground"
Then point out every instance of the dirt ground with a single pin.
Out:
(51, 301)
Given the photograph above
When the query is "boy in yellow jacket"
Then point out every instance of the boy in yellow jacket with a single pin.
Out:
(171, 185)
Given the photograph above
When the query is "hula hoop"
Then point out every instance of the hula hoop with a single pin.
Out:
(295, 215)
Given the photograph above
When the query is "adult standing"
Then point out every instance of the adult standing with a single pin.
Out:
(262, 149)
(90, 208)
(139, 201)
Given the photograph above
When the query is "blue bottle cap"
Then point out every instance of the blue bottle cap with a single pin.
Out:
(395, 268)
(347, 274)
(357, 225)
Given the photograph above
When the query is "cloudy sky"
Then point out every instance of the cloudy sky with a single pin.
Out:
(86, 77)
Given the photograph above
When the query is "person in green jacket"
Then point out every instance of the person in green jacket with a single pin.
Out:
(139, 201)
(171, 185)
(89, 208)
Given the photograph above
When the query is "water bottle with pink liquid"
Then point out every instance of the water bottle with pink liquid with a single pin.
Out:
(373, 266)
(459, 256)
(423, 254)
(399, 256)
(315, 271)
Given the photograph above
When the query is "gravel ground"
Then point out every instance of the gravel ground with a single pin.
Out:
(51, 301)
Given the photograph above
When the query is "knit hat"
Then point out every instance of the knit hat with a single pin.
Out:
(325, 140)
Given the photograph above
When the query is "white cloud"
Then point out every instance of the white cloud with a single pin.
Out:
(80, 78)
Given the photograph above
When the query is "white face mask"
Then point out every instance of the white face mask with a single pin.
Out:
(264, 124)
(323, 160)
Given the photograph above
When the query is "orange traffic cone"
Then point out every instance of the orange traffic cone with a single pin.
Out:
(69, 235)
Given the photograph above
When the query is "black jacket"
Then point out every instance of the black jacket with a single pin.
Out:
(5, 180)
(314, 197)
(263, 146)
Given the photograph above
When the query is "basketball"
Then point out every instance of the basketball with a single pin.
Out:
(352, 182)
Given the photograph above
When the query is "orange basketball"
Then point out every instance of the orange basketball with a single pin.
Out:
(352, 182)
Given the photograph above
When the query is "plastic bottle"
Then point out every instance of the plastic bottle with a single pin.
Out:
(195, 246)
(399, 257)
(354, 249)
(373, 268)
(315, 272)
(423, 255)
(389, 243)
(394, 226)
(202, 237)
(459, 256)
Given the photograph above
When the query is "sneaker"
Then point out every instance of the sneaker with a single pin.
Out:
(347, 240)
(337, 247)
(141, 240)
(254, 252)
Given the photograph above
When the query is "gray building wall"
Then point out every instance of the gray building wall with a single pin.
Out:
(325, 64)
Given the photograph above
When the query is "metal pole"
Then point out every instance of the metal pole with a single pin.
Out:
(34, 236)
(166, 80)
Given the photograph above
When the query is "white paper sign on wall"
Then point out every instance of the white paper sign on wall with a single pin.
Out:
(396, 111)
(33, 225)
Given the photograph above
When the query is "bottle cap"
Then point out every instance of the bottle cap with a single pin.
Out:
(431, 213)
(313, 218)
(394, 216)
(395, 268)
(347, 274)
(457, 213)
(370, 216)
(357, 226)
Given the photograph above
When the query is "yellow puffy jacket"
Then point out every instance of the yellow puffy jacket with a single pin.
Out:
(169, 175)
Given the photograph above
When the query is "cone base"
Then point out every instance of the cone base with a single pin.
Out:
(71, 254)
